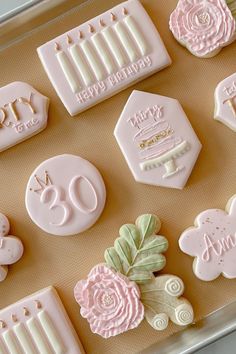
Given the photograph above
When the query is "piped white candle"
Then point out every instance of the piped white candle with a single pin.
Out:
(24, 339)
(126, 41)
(68, 71)
(10, 341)
(93, 60)
(38, 336)
(81, 64)
(101, 47)
(137, 34)
(115, 46)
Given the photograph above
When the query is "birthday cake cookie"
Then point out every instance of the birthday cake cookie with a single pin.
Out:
(38, 324)
(119, 294)
(204, 27)
(157, 140)
(103, 56)
(23, 113)
(212, 242)
(65, 195)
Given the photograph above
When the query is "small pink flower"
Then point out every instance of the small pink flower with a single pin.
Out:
(110, 301)
(203, 26)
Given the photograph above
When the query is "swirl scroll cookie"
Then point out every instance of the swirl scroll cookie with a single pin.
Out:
(23, 113)
(212, 242)
(65, 195)
(225, 102)
(11, 248)
(38, 324)
(157, 140)
(119, 294)
(103, 56)
(204, 26)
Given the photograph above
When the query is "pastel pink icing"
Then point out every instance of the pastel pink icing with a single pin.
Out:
(110, 301)
(203, 26)
(213, 243)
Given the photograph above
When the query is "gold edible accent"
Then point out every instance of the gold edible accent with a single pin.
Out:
(68, 39)
(56, 46)
(91, 29)
(14, 318)
(113, 17)
(156, 138)
(102, 23)
(80, 34)
(42, 183)
(26, 311)
(38, 304)
(125, 11)
(2, 324)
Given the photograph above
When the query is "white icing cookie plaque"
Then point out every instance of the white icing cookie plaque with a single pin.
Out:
(225, 102)
(212, 242)
(23, 113)
(11, 248)
(157, 140)
(38, 324)
(103, 56)
(65, 195)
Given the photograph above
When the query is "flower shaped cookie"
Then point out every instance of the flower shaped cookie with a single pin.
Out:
(110, 301)
(203, 26)
(213, 243)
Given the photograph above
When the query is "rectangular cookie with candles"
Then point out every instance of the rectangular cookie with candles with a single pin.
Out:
(103, 56)
(38, 324)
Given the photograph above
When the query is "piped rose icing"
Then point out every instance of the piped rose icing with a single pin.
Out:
(109, 301)
(203, 26)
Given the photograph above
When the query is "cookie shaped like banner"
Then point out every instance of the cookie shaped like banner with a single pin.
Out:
(23, 113)
(204, 26)
(212, 242)
(118, 295)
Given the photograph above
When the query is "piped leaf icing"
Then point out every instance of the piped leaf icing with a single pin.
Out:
(137, 252)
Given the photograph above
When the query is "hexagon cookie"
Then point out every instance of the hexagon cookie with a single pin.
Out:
(225, 102)
(157, 140)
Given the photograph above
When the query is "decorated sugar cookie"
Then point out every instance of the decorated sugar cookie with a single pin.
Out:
(157, 140)
(23, 113)
(103, 56)
(204, 27)
(119, 294)
(38, 324)
(212, 242)
(65, 195)
(225, 102)
(11, 248)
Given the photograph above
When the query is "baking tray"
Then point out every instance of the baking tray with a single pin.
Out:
(63, 261)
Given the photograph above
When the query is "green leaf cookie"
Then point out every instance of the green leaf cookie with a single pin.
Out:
(137, 252)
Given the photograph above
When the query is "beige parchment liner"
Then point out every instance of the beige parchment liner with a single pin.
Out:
(51, 260)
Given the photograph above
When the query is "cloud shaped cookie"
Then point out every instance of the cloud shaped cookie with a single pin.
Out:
(212, 242)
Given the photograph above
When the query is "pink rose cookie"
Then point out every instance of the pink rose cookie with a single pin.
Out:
(38, 324)
(203, 26)
(103, 56)
(11, 248)
(212, 242)
(118, 295)
(225, 102)
(23, 113)
(157, 140)
(65, 195)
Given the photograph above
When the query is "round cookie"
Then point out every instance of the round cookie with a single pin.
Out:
(65, 195)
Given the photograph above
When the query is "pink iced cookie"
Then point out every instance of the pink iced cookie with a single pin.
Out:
(103, 56)
(38, 324)
(212, 242)
(11, 248)
(23, 113)
(225, 102)
(203, 26)
(157, 140)
(65, 195)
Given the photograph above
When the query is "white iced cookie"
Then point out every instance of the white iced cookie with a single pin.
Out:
(23, 113)
(225, 102)
(11, 248)
(65, 195)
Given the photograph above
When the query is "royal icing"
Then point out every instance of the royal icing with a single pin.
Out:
(225, 102)
(23, 113)
(11, 248)
(103, 56)
(118, 295)
(38, 324)
(203, 26)
(157, 140)
(213, 243)
(65, 195)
